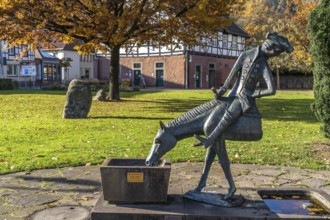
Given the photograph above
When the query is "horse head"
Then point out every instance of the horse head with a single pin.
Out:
(163, 143)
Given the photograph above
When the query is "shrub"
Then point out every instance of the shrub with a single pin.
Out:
(6, 84)
(54, 86)
(319, 35)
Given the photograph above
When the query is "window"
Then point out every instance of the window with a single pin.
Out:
(224, 41)
(87, 72)
(211, 65)
(12, 70)
(51, 73)
(136, 65)
(55, 75)
(213, 41)
(234, 43)
(11, 51)
(159, 65)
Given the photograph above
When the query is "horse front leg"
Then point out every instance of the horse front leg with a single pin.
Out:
(209, 158)
(221, 151)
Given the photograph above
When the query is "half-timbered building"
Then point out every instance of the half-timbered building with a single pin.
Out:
(17, 63)
(178, 66)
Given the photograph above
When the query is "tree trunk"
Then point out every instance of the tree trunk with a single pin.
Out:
(114, 73)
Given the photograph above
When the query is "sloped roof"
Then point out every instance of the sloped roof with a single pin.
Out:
(235, 29)
(41, 54)
(68, 47)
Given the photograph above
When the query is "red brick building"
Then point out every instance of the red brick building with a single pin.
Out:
(178, 66)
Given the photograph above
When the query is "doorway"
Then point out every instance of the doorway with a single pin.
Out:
(159, 69)
(137, 77)
(137, 67)
(198, 73)
(211, 75)
(159, 78)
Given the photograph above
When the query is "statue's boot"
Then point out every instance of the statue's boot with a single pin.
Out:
(226, 120)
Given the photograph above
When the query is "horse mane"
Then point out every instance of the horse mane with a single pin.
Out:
(193, 113)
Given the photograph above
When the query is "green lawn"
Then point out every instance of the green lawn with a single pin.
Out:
(33, 134)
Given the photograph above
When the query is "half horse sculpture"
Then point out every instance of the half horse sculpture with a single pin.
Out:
(234, 117)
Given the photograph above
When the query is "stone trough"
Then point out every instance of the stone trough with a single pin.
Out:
(131, 181)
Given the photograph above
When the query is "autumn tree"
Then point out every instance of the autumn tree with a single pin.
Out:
(319, 34)
(109, 25)
(294, 25)
(288, 17)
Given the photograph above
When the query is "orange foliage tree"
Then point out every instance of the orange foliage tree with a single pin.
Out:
(286, 17)
(109, 25)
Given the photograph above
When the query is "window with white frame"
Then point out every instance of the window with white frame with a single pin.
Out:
(225, 41)
(234, 43)
(136, 65)
(213, 41)
(12, 70)
(11, 51)
(159, 65)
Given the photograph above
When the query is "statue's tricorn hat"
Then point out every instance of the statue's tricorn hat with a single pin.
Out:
(279, 41)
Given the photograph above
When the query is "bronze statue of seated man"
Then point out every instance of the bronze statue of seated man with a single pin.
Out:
(250, 68)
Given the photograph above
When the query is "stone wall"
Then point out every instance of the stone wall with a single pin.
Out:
(296, 81)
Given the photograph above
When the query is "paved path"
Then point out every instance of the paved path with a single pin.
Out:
(21, 194)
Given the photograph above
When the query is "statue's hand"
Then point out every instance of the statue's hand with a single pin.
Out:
(221, 92)
(202, 141)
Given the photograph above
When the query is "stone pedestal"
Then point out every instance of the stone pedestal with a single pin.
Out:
(131, 181)
(179, 208)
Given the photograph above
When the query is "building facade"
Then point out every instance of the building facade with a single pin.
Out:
(48, 67)
(73, 64)
(17, 63)
(202, 66)
(177, 66)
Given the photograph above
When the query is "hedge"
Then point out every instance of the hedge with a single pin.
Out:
(6, 84)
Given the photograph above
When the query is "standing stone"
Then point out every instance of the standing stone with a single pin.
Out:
(100, 96)
(78, 100)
